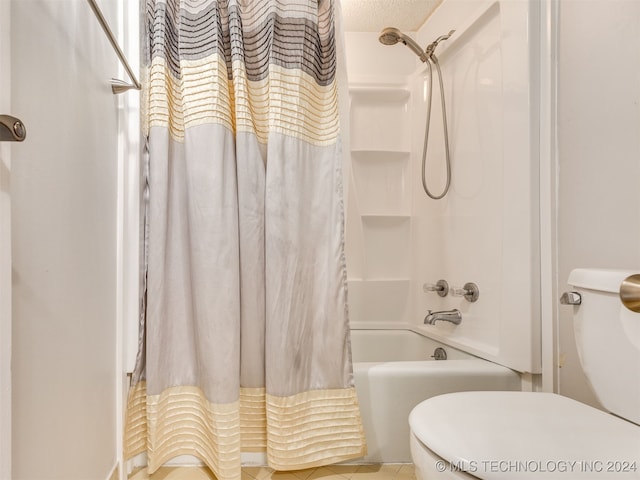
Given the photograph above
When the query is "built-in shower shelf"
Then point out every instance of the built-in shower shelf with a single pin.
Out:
(385, 216)
(379, 281)
(380, 93)
(386, 220)
(381, 172)
(378, 155)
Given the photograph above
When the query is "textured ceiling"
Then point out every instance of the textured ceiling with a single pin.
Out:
(374, 15)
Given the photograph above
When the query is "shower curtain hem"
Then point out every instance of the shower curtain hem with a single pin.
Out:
(309, 429)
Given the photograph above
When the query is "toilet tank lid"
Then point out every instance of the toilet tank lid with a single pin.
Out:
(599, 279)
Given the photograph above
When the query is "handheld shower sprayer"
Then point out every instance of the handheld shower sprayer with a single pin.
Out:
(391, 36)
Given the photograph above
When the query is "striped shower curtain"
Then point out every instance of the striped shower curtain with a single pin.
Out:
(244, 341)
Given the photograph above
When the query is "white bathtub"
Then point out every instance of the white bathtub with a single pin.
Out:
(394, 372)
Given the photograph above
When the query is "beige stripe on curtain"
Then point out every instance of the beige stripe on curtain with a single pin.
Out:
(244, 338)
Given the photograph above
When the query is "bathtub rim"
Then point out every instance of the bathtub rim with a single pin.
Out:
(481, 351)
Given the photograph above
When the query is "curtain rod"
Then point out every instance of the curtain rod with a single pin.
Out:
(117, 86)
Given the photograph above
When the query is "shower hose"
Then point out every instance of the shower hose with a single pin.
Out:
(433, 59)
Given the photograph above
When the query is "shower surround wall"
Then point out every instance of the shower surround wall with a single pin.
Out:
(379, 203)
(485, 229)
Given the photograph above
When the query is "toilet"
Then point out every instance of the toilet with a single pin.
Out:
(516, 435)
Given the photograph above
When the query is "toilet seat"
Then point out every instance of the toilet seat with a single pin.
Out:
(521, 434)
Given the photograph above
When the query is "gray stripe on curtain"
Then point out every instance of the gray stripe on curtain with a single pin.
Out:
(271, 41)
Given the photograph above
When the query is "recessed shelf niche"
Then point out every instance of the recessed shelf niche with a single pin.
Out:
(378, 118)
(379, 222)
(382, 181)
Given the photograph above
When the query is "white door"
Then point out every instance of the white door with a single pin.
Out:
(5, 253)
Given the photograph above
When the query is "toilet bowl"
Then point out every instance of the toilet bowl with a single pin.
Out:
(514, 435)
(518, 435)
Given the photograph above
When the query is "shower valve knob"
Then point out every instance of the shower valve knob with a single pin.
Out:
(441, 288)
(470, 292)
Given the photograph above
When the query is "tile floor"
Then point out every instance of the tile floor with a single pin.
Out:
(332, 472)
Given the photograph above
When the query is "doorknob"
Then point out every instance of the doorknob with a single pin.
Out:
(12, 129)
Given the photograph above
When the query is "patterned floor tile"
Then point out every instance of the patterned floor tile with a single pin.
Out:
(283, 476)
(324, 473)
(303, 474)
(344, 470)
(258, 473)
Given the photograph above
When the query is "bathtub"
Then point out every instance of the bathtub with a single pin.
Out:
(394, 371)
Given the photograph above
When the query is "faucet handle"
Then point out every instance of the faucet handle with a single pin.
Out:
(470, 292)
(442, 288)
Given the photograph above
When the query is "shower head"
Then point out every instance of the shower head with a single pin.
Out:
(391, 36)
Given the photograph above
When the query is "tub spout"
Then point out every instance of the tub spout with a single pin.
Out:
(454, 316)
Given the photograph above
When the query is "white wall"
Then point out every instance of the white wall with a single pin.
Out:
(5, 252)
(64, 197)
(598, 153)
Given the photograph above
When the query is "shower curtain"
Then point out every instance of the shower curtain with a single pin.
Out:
(244, 341)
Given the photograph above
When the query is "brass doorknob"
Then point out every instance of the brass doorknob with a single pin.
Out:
(630, 292)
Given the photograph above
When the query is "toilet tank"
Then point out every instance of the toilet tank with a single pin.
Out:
(608, 340)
